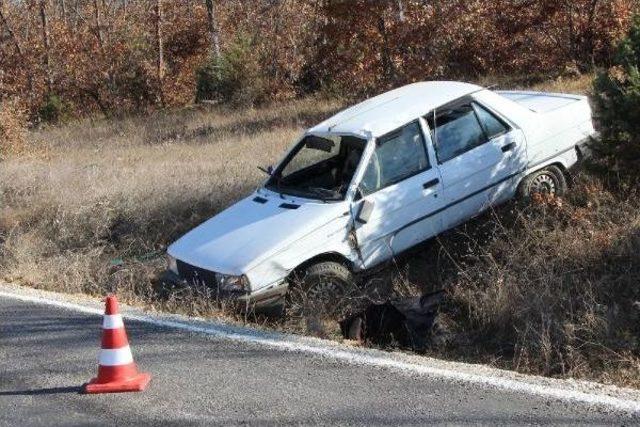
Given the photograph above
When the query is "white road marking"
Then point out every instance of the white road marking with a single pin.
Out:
(597, 395)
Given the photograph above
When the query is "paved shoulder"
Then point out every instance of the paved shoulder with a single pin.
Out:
(47, 352)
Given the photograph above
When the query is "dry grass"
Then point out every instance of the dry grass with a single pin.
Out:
(13, 128)
(552, 289)
(96, 206)
(580, 85)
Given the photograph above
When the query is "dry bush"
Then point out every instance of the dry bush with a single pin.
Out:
(13, 128)
(102, 55)
(579, 84)
(372, 45)
(319, 315)
(549, 289)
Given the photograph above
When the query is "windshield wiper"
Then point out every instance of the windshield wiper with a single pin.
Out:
(277, 180)
(265, 170)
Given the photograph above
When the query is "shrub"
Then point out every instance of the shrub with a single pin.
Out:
(13, 123)
(551, 288)
(53, 110)
(234, 77)
(617, 103)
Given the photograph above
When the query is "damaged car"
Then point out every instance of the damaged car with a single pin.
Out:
(378, 178)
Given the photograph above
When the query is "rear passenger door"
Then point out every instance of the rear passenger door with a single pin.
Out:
(478, 154)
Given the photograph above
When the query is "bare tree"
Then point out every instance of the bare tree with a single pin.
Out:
(98, 23)
(47, 44)
(388, 68)
(593, 12)
(17, 45)
(400, 11)
(212, 25)
(160, 46)
(125, 13)
(63, 10)
(570, 24)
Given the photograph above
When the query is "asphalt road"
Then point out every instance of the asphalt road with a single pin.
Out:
(47, 353)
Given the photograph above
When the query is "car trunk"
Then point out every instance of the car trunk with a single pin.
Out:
(557, 113)
(541, 102)
(563, 121)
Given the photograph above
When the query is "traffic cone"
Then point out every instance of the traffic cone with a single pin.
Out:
(116, 370)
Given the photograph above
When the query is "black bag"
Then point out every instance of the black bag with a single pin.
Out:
(405, 322)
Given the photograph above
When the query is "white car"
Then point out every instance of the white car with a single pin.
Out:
(381, 177)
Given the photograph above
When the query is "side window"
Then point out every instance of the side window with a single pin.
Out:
(457, 130)
(397, 156)
(493, 126)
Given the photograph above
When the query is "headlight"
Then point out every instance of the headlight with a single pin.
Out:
(172, 264)
(232, 283)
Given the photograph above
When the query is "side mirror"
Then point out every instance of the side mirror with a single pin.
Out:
(268, 170)
(364, 211)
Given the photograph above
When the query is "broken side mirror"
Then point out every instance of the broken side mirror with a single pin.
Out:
(364, 211)
(268, 170)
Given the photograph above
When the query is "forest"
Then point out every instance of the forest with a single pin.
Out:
(72, 58)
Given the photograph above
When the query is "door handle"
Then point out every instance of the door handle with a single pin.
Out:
(431, 183)
(508, 147)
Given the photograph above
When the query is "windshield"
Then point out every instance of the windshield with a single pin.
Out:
(319, 167)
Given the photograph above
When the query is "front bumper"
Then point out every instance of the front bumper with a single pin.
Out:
(269, 297)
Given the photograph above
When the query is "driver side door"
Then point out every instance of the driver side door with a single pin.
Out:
(402, 190)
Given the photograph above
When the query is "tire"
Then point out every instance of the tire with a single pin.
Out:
(321, 288)
(550, 180)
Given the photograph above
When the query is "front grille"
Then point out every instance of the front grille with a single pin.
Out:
(197, 275)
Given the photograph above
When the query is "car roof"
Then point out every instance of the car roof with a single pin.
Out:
(388, 111)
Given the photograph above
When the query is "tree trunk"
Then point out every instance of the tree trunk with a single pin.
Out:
(400, 11)
(63, 10)
(160, 46)
(385, 54)
(591, 33)
(212, 25)
(572, 38)
(96, 10)
(125, 16)
(18, 47)
(12, 35)
(47, 44)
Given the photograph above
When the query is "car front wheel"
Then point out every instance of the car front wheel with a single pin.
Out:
(324, 288)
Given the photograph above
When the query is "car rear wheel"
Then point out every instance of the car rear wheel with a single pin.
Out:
(548, 181)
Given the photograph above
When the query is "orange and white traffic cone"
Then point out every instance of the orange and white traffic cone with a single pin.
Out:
(116, 370)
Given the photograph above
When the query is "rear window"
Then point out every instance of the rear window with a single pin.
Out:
(493, 126)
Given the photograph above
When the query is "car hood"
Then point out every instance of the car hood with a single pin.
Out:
(250, 231)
